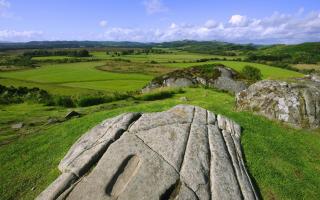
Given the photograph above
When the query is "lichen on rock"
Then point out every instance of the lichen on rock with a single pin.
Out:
(296, 102)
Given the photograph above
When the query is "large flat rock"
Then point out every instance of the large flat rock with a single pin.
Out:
(186, 152)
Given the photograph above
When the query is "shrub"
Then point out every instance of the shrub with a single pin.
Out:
(153, 62)
(64, 101)
(90, 101)
(251, 73)
(9, 95)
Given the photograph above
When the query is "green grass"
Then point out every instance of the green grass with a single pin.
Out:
(283, 161)
(110, 85)
(268, 72)
(52, 88)
(82, 75)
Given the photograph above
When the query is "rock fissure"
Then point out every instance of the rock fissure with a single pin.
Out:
(95, 143)
(209, 155)
(150, 128)
(181, 177)
(158, 154)
(188, 137)
(226, 146)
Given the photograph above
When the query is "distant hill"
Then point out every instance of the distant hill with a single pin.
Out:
(291, 54)
(209, 47)
(69, 44)
(300, 53)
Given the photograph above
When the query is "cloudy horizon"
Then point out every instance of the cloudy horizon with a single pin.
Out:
(269, 22)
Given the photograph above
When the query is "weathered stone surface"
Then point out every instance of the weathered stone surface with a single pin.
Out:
(315, 78)
(228, 84)
(17, 126)
(296, 103)
(186, 152)
(221, 78)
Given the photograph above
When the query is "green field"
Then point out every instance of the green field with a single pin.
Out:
(82, 75)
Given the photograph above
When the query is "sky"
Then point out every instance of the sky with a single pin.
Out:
(238, 21)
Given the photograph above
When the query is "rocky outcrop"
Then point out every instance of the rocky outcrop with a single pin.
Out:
(296, 103)
(184, 153)
(213, 76)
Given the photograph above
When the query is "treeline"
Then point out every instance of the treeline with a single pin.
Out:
(14, 95)
(9, 95)
(297, 58)
(120, 52)
(70, 53)
(70, 44)
(209, 47)
(17, 61)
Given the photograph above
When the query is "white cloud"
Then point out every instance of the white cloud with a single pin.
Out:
(20, 36)
(211, 24)
(277, 28)
(173, 25)
(154, 6)
(238, 20)
(103, 23)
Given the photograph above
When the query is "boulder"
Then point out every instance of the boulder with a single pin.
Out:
(296, 103)
(72, 114)
(315, 78)
(17, 126)
(186, 152)
(214, 76)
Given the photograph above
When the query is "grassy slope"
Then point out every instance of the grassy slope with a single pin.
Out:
(283, 161)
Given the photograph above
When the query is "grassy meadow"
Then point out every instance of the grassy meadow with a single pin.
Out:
(83, 75)
(282, 161)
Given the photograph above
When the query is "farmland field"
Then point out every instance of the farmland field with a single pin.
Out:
(82, 75)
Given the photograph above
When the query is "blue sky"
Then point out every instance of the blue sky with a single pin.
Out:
(242, 21)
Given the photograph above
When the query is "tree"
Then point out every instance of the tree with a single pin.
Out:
(251, 73)
(83, 53)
